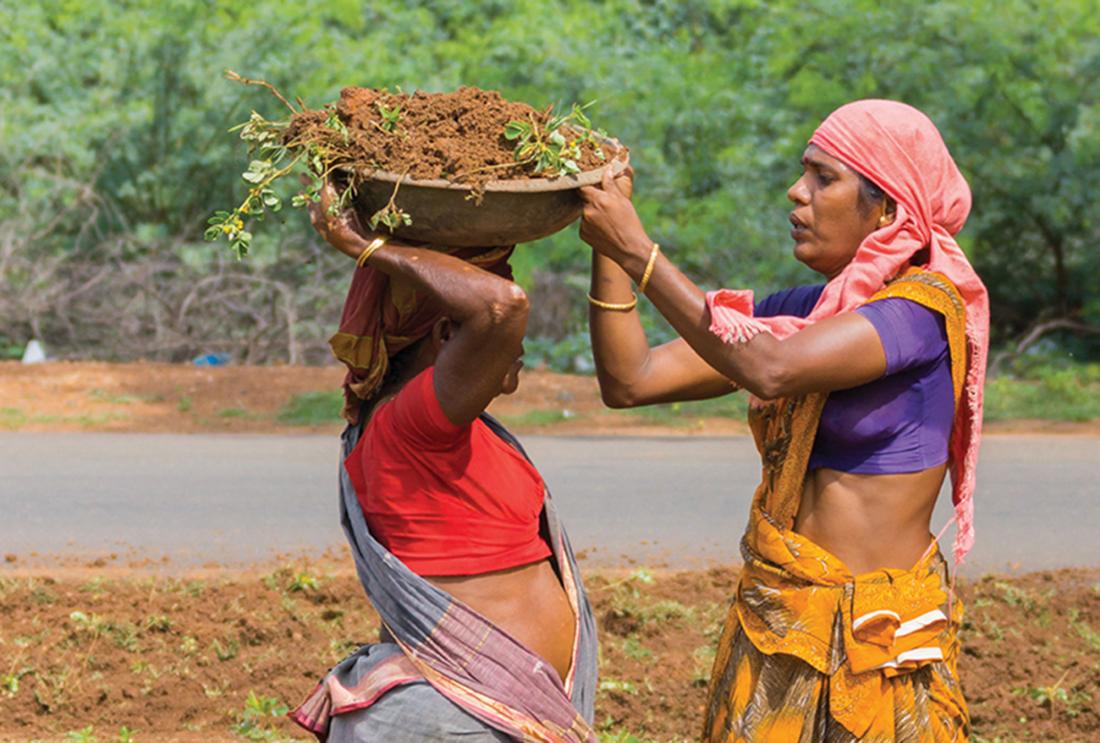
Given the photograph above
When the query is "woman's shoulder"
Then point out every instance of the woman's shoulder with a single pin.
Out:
(798, 301)
(928, 288)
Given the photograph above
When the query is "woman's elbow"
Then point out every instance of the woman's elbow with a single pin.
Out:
(508, 308)
(771, 381)
(616, 398)
(616, 394)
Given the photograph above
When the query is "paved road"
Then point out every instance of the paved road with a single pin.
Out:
(682, 501)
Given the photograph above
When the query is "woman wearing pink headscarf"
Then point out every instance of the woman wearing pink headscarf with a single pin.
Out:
(865, 391)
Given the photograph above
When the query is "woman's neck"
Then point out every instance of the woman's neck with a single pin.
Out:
(391, 387)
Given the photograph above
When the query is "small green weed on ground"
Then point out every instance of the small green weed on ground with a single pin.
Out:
(320, 408)
(689, 413)
(12, 418)
(108, 397)
(233, 413)
(538, 417)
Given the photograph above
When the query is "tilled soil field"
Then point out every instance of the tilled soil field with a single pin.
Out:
(219, 655)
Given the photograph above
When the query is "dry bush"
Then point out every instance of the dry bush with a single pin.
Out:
(109, 296)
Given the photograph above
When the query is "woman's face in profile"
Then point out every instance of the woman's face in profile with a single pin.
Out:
(827, 224)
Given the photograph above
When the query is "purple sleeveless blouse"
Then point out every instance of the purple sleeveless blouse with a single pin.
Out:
(900, 422)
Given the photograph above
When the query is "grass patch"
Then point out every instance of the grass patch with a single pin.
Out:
(703, 662)
(12, 418)
(233, 413)
(319, 408)
(104, 396)
(540, 417)
(689, 413)
(86, 421)
(619, 735)
(633, 648)
(1069, 394)
(1087, 633)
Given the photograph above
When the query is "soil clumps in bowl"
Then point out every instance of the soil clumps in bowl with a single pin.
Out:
(456, 136)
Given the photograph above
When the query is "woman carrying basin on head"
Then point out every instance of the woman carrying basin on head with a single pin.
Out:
(487, 633)
(865, 390)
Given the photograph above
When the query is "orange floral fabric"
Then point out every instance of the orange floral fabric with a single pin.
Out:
(811, 652)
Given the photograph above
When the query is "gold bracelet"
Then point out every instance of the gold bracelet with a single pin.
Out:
(649, 268)
(613, 306)
(370, 250)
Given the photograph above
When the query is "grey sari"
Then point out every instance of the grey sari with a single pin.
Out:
(482, 681)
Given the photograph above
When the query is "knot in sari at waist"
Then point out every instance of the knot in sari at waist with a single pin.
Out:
(795, 597)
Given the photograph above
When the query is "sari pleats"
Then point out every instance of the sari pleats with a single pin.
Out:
(782, 699)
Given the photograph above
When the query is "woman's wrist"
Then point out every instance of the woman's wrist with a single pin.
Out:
(637, 256)
(610, 283)
(372, 247)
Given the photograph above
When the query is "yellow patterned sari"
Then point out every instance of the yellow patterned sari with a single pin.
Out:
(811, 652)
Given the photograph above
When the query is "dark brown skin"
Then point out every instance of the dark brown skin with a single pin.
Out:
(869, 521)
(476, 351)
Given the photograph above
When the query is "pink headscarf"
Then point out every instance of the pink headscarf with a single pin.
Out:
(900, 149)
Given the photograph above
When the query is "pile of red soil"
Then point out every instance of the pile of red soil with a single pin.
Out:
(456, 136)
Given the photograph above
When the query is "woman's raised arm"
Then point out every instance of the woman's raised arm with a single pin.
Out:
(479, 340)
(630, 372)
(840, 352)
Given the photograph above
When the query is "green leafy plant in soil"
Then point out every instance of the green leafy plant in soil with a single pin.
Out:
(276, 155)
(87, 735)
(557, 147)
(254, 722)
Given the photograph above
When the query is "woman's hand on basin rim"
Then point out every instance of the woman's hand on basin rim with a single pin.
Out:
(609, 221)
(342, 230)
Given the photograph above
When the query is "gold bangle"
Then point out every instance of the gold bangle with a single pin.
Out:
(649, 268)
(370, 250)
(613, 306)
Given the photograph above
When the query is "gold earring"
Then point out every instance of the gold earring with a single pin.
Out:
(884, 220)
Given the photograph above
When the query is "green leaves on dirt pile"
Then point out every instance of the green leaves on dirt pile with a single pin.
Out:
(275, 157)
(391, 117)
(556, 147)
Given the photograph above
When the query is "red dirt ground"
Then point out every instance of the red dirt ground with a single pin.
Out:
(175, 658)
(181, 398)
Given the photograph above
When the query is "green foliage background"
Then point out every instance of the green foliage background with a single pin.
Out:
(114, 119)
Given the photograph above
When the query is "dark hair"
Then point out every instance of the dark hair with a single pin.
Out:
(871, 195)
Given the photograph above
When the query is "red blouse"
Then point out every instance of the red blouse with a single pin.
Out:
(445, 499)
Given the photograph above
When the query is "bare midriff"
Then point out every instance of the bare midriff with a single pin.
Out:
(870, 521)
(527, 602)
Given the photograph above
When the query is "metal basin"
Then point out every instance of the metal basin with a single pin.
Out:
(511, 212)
